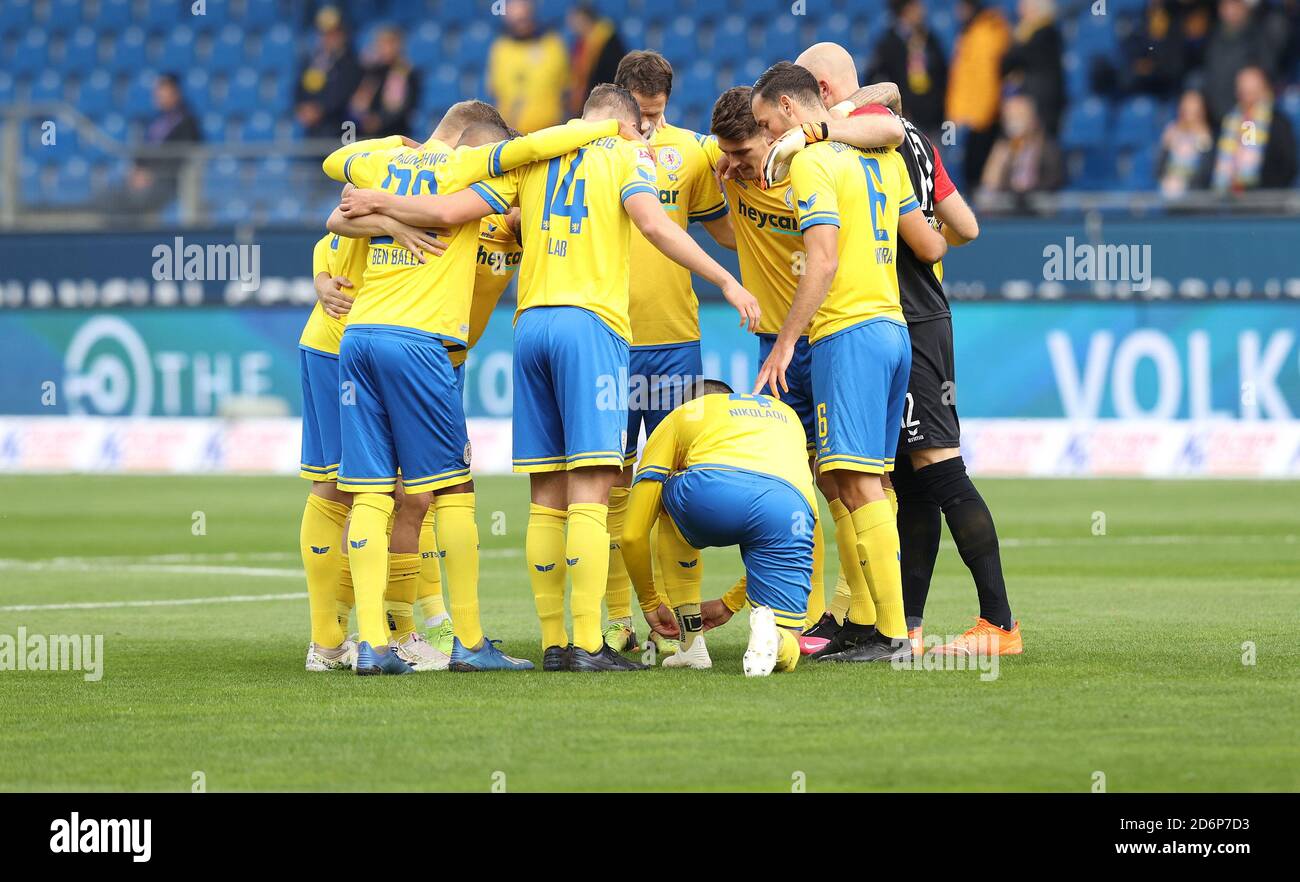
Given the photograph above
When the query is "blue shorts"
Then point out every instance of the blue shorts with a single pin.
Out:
(570, 391)
(401, 410)
(799, 378)
(659, 378)
(860, 386)
(321, 440)
(770, 521)
(460, 379)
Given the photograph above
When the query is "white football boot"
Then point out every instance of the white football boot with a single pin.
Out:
(321, 659)
(420, 654)
(696, 657)
(764, 643)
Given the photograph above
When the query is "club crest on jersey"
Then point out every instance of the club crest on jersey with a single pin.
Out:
(670, 158)
(789, 198)
(468, 452)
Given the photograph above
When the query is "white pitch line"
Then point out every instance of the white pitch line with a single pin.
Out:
(121, 604)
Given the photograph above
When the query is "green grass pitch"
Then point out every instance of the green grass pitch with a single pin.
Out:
(1136, 662)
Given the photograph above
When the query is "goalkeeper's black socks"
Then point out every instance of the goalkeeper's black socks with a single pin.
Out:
(920, 524)
(971, 525)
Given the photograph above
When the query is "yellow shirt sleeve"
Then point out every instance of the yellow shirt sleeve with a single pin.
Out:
(337, 163)
(814, 192)
(638, 174)
(493, 160)
(320, 255)
(706, 201)
(500, 192)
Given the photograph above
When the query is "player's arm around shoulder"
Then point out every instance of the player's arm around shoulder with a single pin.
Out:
(960, 225)
(339, 164)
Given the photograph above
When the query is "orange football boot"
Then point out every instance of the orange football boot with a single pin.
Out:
(918, 645)
(985, 638)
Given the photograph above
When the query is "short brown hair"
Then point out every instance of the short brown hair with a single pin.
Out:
(646, 72)
(733, 118)
(473, 112)
(616, 100)
(788, 78)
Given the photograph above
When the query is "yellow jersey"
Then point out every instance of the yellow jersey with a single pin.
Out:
(575, 232)
(769, 245)
(434, 297)
(528, 78)
(499, 253)
(740, 432)
(662, 305)
(863, 192)
(338, 256)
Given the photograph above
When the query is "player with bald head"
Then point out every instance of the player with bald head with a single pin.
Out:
(837, 76)
(930, 477)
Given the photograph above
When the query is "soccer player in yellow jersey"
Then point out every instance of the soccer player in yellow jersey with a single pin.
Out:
(664, 358)
(852, 205)
(336, 262)
(400, 405)
(772, 258)
(728, 469)
(571, 354)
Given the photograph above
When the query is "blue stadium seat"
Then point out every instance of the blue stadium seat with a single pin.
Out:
(1136, 123)
(177, 50)
(114, 126)
(213, 125)
(1138, 168)
(64, 15)
(195, 86)
(47, 88)
(113, 15)
(260, 127)
(138, 100)
(81, 51)
(222, 178)
(1085, 124)
(227, 51)
(1094, 35)
(261, 13)
(95, 96)
(633, 31)
(216, 13)
(242, 94)
(781, 40)
(128, 51)
(30, 53)
(162, 15)
(15, 16)
(6, 88)
(424, 47)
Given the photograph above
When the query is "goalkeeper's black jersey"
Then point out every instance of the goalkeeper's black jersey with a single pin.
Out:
(919, 285)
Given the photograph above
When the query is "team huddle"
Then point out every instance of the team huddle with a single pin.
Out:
(840, 213)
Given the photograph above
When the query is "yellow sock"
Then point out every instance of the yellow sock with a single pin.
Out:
(877, 531)
(368, 560)
(346, 598)
(586, 551)
(787, 656)
(817, 595)
(680, 565)
(618, 587)
(893, 499)
(856, 602)
(428, 592)
(399, 596)
(320, 539)
(736, 595)
(458, 533)
(544, 551)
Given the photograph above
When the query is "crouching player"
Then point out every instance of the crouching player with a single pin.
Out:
(728, 469)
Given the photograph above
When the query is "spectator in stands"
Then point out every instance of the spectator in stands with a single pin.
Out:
(1026, 159)
(597, 50)
(528, 70)
(911, 56)
(975, 81)
(1238, 39)
(153, 181)
(1153, 55)
(1256, 142)
(328, 80)
(1186, 148)
(1033, 63)
(389, 90)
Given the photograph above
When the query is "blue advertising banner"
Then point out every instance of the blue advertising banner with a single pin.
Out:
(1055, 360)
